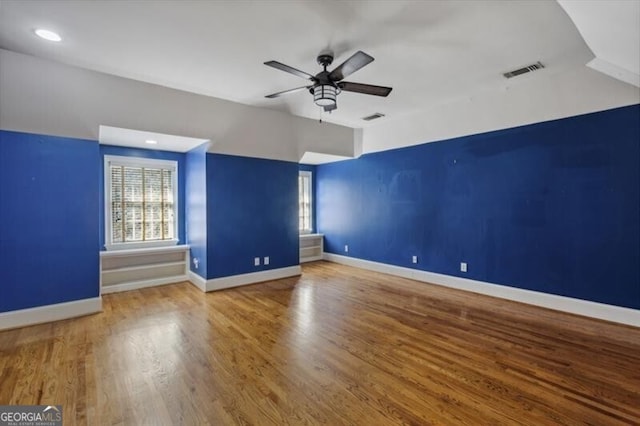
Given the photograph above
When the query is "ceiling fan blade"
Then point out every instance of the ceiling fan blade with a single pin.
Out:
(367, 89)
(286, 92)
(329, 108)
(287, 68)
(351, 65)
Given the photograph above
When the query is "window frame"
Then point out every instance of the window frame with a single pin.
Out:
(119, 160)
(309, 174)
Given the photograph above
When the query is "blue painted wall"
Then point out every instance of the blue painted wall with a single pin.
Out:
(49, 220)
(145, 153)
(551, 207)
(252, 209)
(312, 169)
(196, 207)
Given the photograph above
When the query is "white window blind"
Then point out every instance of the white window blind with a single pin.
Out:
(304, 202)
(141, 201)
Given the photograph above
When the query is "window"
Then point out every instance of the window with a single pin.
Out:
(304, 202)
(140, 202)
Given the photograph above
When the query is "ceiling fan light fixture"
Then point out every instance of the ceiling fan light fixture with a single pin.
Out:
(325, 95)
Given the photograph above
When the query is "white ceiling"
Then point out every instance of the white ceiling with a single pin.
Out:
(430, 52)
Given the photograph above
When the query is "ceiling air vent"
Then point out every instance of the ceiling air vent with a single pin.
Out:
(530, 68)
(373, 116)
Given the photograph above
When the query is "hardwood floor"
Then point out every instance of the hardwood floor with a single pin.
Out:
(337, 345)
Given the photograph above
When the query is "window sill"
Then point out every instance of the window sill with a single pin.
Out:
(314, 235)
(141, 245)
(143, 250)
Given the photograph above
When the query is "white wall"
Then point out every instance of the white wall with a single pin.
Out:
(42, 96)
(524, 100)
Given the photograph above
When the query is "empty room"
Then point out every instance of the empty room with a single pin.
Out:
(320, 212)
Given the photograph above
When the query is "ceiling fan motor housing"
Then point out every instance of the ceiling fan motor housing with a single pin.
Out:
(325, 59)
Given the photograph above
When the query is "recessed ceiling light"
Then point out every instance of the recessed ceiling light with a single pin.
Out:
(151, 142)
(48, 35)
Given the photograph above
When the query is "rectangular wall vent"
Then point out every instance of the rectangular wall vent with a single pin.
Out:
(373, 116)
(530, 68)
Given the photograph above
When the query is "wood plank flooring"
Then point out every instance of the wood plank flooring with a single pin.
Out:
(337, 345)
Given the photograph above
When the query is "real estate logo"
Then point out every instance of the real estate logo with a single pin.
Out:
(30, 415)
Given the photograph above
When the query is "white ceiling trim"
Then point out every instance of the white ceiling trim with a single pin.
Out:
(315, 158)
(614, 71)
(138, 139)
(611, 29)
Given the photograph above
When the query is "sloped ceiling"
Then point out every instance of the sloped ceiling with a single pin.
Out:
(437, 55)
(429, 51)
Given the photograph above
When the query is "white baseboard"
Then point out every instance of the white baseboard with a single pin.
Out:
(243, 279)
(197, 280)
(116, 288)
(48, 313)
(551, 301)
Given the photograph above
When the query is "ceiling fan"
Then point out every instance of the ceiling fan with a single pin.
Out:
(325, 86)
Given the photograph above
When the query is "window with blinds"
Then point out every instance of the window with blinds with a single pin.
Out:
(304, 202)
(141, 201)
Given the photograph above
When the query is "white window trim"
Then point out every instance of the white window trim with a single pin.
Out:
(310, 176)
(119, 160)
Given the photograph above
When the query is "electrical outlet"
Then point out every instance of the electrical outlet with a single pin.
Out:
(414, 259)
(346, 248)
(265, 260)
(463, 266)
(256, 261)
(196, 262)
